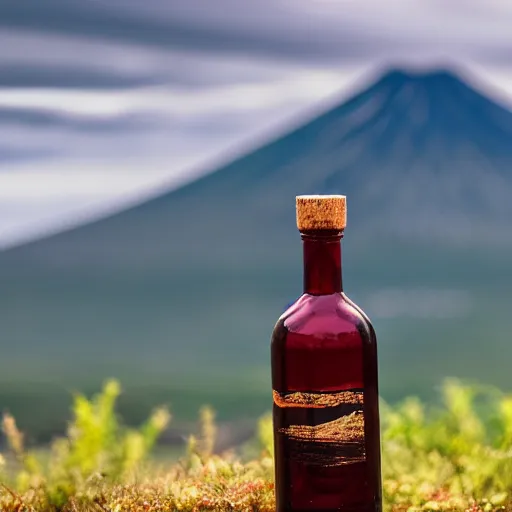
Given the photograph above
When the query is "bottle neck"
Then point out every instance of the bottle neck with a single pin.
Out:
(322, 262)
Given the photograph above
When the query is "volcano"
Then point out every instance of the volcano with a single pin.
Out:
(185, 288)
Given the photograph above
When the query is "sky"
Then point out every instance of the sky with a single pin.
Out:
(106, 103)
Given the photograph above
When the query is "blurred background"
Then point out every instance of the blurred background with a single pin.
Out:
(150, 155)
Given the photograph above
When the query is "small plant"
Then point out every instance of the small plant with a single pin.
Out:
(97, 449)
(463, 448)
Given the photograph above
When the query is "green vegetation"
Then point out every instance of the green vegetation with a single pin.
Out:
(454, 456)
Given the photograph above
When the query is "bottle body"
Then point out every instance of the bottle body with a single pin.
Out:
(325, 411)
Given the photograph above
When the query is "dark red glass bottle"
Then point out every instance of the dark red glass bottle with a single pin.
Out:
(324, 378)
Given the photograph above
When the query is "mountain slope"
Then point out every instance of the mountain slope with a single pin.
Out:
(417, 150)
(184, 289)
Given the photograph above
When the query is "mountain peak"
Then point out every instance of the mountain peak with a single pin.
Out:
(442, 104)
(422, 76)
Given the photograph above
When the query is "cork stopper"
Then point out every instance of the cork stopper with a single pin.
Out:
(321, 212)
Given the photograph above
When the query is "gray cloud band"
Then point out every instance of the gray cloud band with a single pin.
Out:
(302, 42)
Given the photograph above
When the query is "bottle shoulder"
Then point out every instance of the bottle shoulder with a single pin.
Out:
(324, 315)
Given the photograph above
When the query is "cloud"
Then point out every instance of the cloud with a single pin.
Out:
(176, 101)
(8, 154)
(45, 118)
(304, 30)
(165, 25)
(156, 123)
(37, 75)
(31, 59)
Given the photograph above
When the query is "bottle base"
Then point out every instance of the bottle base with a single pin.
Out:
(374, 507)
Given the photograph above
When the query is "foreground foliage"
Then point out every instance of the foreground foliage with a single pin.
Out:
(455, 456)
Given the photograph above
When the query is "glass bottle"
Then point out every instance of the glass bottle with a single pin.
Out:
(324, 378)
